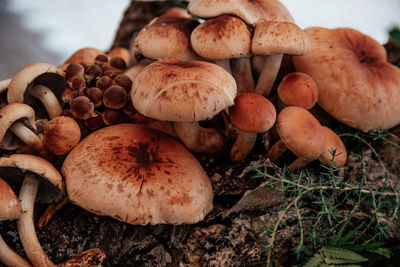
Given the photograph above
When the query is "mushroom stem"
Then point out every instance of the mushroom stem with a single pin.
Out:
(241, 71)
(29, 137)
(50, 211)
(9, 257)
(198, 139)
(244, 143)
(268, 74)
(48, 99)
(224, 63)
(26, 226)
(91, 257)
(276, 151)
(4, 85)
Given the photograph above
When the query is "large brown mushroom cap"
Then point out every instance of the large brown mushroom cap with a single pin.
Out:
(182, 91)
(137, 175)
(249, 10)
(356, 84)
(301, 132)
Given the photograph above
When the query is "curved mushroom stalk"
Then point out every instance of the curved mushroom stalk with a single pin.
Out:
(51, 211)
(241, 71)
(48, 99)
(9, 257)
(29, 137)
(244, 143)
(4, 85)
(268, 74)
(198, 139)
(26, 226)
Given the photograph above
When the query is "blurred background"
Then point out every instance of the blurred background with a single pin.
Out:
(51, 30)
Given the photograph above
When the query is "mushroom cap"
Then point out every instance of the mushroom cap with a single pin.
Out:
(84, 55)
(252, 113)
(249, 10)
(14, 167)
(35, 73)
(333, 141)
(61, 134)
(10, 208)
(276, 37)
(222, 37)
(356, 84)
(182, 91)
(167, 36)
(301, 132)
(137, 175)
(8, 115)
(298, 89)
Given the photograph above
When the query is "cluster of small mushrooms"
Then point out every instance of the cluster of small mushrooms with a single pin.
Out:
(113, 132)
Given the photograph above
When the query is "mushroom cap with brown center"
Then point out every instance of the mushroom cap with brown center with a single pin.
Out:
(10, 208)
(250, 11)
(301, 132)
(182, 91)
(137, 175)
(14, 167)
(222, 37)
(356, 84)
(252, 113)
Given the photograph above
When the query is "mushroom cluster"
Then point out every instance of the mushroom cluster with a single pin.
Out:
(185, 85)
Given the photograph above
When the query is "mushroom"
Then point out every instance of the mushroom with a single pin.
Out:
(356, 84)
(333, 144)
(131, 165)
(36, 172)
(166, 37)
(257, 14)
(61, 134)
(19, 120)
(121, 53)
(43, 82)
(84, 55)
(114, 97)
(10, 209)
(298, 89)
(81, 107)
(273, 39)
(186, 93)
(38, 176)
(251, 114)
(301, 133)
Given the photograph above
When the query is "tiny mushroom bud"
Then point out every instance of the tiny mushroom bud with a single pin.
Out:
(10, 209)
(95, 122)
(95, 95)
(111, 116)
(81, 107)
(251, 114)
(103, 82)
(61, 134)
(118, 64)
(92, 72)
(124, 81)
(73, 71)
(101, 59)
(115, 97)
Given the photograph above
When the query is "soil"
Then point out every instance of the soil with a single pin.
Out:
(231, 235)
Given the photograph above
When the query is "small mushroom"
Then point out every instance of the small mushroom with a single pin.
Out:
(95, 95)
(122, 53)
(141, 168)
(43, 82)
(81, 107)
(61, 134)
(84, 55)
(298, 89)
(95, 122)
(10, 209)
(36, 172)
(114, 97)
(19, 120)
(301, 133)
(251, 114)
